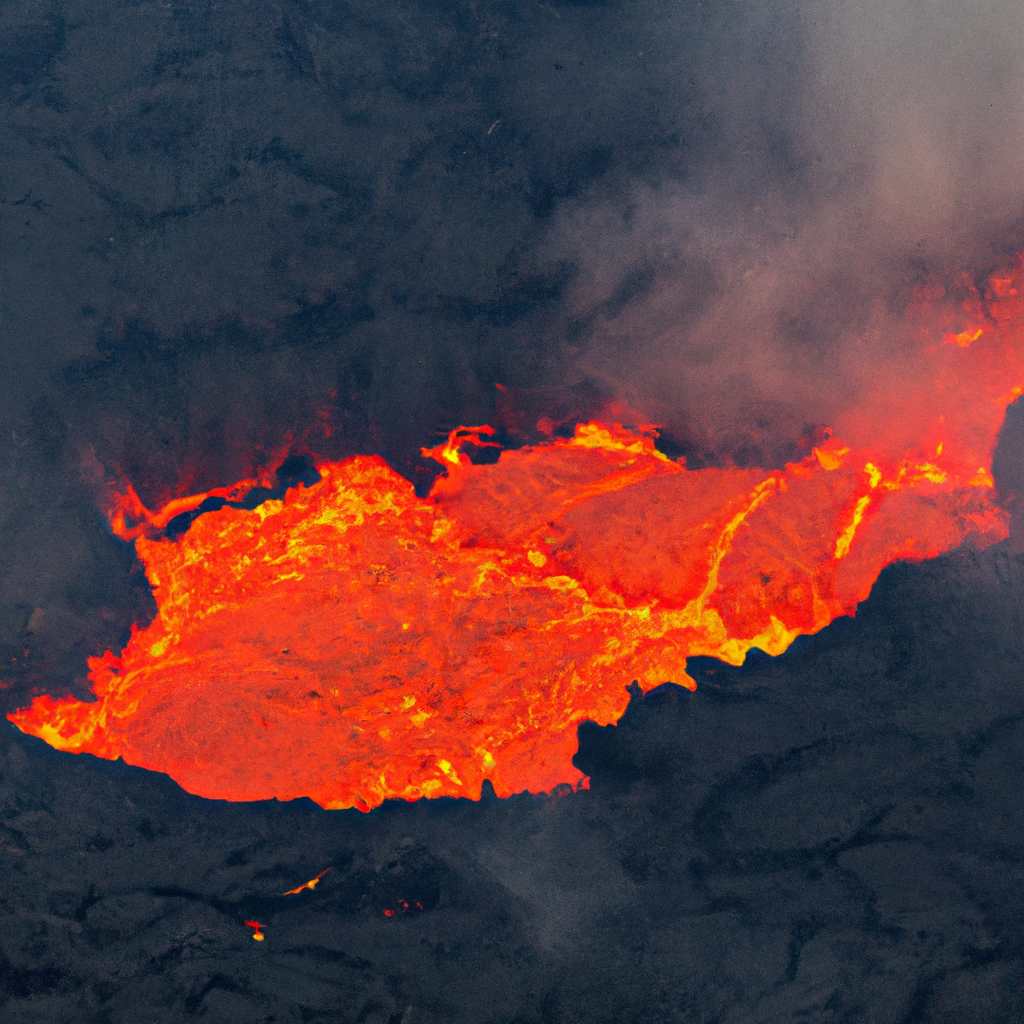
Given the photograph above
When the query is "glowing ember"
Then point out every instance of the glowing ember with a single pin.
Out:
(354, 642)
(258, 933)
(402, 907)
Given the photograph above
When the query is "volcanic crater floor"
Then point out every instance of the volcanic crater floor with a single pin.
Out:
(831, 835)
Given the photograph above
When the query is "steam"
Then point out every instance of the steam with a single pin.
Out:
(849, 153)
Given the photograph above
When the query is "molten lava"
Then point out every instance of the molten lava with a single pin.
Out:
(354, 642)
(311, 884)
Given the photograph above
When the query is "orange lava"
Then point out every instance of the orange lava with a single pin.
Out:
(311, 884)
(355, 642)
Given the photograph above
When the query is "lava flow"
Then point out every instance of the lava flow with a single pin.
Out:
(354, 642)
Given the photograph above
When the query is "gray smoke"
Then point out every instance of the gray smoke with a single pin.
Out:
(846, 153)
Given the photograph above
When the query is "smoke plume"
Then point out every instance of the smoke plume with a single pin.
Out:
(833, 158)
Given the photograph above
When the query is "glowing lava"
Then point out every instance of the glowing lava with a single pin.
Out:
(311, 884)
(355, 642)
